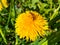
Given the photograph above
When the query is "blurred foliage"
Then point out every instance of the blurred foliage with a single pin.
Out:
(47, 8)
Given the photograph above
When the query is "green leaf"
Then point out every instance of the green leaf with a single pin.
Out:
(55, 13)
(45, 43)
(34, 1)
(59, 1)
(3, 36)
(42, 41)
(51, 39)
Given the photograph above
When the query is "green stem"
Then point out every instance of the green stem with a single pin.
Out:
(16, 43)
(50, 7)
(16, 40)
(9, 16)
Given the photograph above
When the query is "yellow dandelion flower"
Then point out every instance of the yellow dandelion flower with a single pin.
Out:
(4, 2)
(1, 7)
(30, 25)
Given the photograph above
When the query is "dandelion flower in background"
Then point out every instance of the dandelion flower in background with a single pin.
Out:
(1, 7)
(3, 3)
(30, 25)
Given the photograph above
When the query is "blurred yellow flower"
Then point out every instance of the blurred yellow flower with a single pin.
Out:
(3, 3)
(30, 24)
(1, 7)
